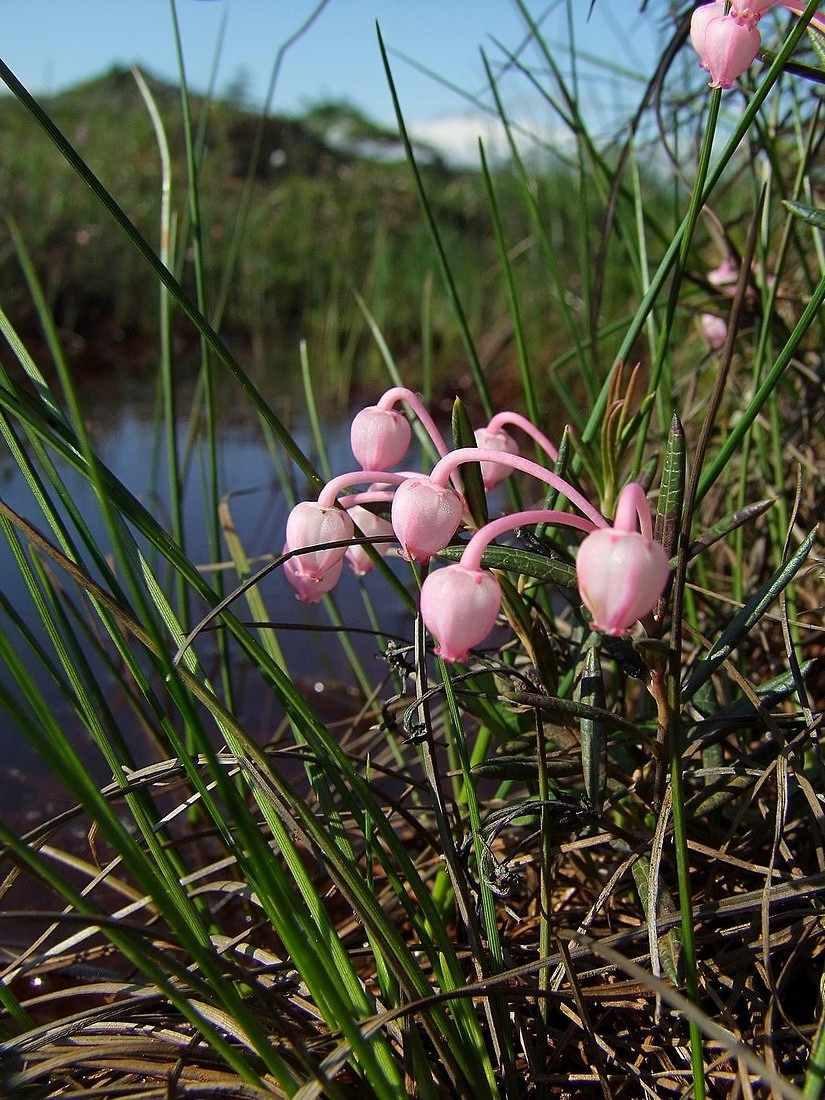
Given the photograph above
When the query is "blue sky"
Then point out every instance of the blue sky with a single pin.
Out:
(51, 44)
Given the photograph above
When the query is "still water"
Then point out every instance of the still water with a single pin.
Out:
(126, 437)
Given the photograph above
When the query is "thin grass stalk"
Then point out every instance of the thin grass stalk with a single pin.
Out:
(527, 382)
(482, 389)
(585, 176)
(167, 382)
(697, 201)
(674, 676)
(230, 264)
(207, 373)
(547, 250)
(427, 339)
(545, 894)
(457, 875)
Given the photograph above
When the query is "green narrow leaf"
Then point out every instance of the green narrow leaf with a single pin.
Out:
(748, 617)
(526, 562)
(672, 491)
(813, 215)
(593, 731)
(729, 523)
(669, 945)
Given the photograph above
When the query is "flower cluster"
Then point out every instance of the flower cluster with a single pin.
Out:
(621, 569)
(727, 41)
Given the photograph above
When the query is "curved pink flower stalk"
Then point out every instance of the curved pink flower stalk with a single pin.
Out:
(445, 467)
(798, 8)
(460, 603)
(493, 473)
(380, 436)
(622, 571)
(528, 427)
(633, 511)
(426, 512)
(328, 496)
(495, 438)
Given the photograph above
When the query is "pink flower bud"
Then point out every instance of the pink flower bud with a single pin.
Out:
(496, 440)
(310, 524)
(714, 329)
(369, 524)
(726, 44)
(309, 588)
(379, 437)
(725, 276)
(425, 516)
(621, 575)
(459, 607)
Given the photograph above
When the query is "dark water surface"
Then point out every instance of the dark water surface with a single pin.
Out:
(121, 420)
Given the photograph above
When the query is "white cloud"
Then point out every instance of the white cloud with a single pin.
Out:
(456, 138)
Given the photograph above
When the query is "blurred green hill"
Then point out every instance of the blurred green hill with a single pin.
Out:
(333, 210)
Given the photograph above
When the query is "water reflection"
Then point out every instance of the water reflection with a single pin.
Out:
(128, 442)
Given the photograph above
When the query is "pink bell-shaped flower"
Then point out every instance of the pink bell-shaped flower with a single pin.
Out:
(726, 43)
(311, 524)
(621, 575)
(425, 516)
(379, 437)
(369, 524)
(459, 607)
(493, 473)
(309, 588)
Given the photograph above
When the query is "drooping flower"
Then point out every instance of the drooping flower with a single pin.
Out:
(725, 277)
(369, 524)
(310, 588)
(459, 607)
(493, 473)
(312, 524)
(425, 516)
(379, 437)
(621, 570)
(726, 43)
